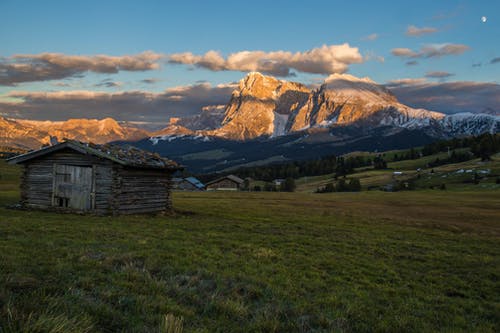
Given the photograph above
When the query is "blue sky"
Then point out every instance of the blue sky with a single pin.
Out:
(442, 41)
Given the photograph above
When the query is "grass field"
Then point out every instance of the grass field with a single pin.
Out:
(257, 262)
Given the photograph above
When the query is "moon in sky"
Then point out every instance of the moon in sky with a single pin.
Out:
(483, 19)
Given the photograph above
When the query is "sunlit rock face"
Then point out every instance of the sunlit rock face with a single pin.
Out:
(263, 105)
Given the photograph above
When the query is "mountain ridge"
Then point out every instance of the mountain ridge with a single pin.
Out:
(29, 134)
(263, 106)
(266, 107)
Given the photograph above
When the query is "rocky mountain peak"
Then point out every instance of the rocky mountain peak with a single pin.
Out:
(257, 85)
(261, 86)
(365, 89)
(109, 123)
(265, 106)
(260, 106)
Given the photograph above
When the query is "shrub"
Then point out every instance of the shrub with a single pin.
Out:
(342, 186)
(269, 187)
(354, 185)
(327, 189)
(288, 185)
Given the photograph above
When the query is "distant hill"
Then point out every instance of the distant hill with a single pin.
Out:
(30, 134)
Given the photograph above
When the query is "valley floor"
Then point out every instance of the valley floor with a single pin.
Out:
(258, 262)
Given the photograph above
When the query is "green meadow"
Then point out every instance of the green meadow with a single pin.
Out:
(413, 261)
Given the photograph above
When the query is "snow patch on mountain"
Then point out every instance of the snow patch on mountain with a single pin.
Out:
(169, 138)
(279, 124)
(470, 124)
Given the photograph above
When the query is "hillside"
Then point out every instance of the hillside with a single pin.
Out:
(473, 175)
(202, 154)
(256, 262)
(473, 159)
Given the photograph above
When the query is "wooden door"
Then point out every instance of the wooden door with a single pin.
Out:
(73, 187)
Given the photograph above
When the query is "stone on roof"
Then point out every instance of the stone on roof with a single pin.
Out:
(124, 155)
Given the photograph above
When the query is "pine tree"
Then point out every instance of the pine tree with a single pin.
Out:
(288, 185)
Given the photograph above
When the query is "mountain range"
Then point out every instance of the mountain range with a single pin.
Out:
(267, 120)
(31, 134)
(263, 106)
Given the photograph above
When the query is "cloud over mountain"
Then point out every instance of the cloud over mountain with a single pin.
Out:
(129, 105)
(405, 82)
(49, 66)
(327, 59)
(438, 74)
(447, 97)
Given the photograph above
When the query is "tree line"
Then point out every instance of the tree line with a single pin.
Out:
(481, 146)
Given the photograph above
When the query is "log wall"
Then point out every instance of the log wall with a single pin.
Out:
(141, 191)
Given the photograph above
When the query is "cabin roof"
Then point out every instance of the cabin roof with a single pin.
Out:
(195, 182)
(124, 155)
(233, 178)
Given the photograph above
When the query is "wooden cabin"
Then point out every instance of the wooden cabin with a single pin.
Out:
(98, 179)
(226, 183)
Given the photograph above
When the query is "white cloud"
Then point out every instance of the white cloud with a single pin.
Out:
(403, 52)
(371, 37)
(373, 56)
(415, 32)
(438, 74)
(431, 51)
(406, 82)
(50, 66)
(327, 59)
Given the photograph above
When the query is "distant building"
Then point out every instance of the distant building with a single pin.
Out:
(99, 179)
(226, 183)
(278, 182)
(187, 184)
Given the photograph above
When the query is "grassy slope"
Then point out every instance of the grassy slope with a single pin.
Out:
(243, 262)
(442, 174)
